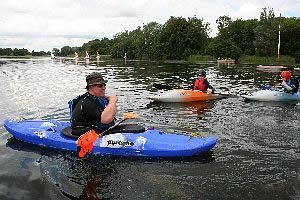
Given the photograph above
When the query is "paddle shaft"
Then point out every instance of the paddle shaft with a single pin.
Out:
(112, 127)
(85, 142)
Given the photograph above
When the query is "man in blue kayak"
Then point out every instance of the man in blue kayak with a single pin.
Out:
(290, 85)
(93, 110)
(202, 84)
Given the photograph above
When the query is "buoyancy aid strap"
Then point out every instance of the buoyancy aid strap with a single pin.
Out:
(70, 102)
(103, 102)
(196, 85)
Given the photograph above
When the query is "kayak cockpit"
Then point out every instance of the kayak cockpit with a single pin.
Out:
(122, 128)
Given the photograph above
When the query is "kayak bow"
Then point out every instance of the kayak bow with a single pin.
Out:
(272, 95)
(181, 95)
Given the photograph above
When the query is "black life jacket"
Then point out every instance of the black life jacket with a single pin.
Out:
(97, 125)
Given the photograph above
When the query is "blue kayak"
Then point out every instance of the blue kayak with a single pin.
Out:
(149, 143)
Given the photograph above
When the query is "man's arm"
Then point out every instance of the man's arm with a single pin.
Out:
(110, 111)
(208, 86)
(286, 86)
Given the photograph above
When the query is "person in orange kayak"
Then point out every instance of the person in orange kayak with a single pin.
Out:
(290, 85)
(202, 84)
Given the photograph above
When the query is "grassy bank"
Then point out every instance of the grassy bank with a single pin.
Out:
(284, 60)
(259, 60)
(201, 58)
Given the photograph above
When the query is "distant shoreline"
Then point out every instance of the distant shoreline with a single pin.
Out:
(29, 56)
(197, 59)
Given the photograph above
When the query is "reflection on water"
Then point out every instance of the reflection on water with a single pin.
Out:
(96, 177)
(256, 157)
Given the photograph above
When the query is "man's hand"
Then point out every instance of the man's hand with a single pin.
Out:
(283, 82)
(112, 99)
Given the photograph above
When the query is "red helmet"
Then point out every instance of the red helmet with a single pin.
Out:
(286, 74)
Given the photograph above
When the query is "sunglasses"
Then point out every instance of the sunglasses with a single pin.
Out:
(101, 85)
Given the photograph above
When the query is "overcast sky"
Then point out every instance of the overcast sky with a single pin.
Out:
(47, 24)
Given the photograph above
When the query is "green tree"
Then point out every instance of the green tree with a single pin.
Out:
(223, 22)
(136, 43)
(267, 34)
(181, 38)
(151, 34)
(66, 51)
(241, 32)
(56, 52)
(120, 44)
(290, 36)
(173, 37)
(221, 47)
(105, 46)
(224, 45)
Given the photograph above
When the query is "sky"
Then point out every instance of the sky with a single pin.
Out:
(42, 25)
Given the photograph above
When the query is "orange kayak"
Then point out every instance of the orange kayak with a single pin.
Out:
(181, 95)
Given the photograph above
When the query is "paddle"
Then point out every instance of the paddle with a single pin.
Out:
(85, 142)
(265, 87)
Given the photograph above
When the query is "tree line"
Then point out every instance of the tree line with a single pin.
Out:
(21, 52)
(180, 38)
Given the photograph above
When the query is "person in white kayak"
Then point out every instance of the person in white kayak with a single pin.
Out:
(202, 84)
(290, 85)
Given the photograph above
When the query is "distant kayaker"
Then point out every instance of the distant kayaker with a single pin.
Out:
(202, 84)
(87, 55)
(290, 85)
(98, 57)
(93, 110)
(75, 55)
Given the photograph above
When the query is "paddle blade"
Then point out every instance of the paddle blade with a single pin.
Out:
(85, 143)
(129, 115)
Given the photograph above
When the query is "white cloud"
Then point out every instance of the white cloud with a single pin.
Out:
(43, 25)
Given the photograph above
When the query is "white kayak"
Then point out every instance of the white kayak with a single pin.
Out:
(181, 95)
(272, 95)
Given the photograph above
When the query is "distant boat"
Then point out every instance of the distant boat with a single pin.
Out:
(225, 61)
(270, 68)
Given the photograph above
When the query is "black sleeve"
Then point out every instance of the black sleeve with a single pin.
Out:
(294, 85)
(92, 109)
(208, 85)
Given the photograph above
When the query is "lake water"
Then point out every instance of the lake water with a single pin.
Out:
(256, 157)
